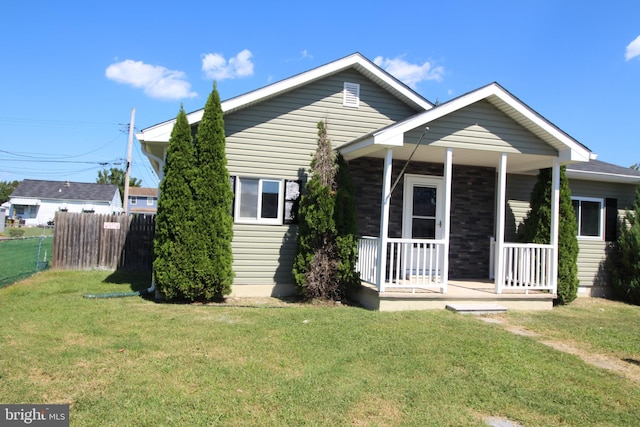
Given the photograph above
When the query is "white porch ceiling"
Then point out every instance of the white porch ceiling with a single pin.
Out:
(425, 153)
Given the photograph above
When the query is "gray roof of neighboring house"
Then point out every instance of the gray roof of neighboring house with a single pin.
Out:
(65, 190)
(597, 170)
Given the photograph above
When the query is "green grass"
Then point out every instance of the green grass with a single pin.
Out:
(599, 325)
(31, 231)
(130, 361)
(18, 258)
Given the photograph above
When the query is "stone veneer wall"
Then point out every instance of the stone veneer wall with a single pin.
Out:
(472, 209)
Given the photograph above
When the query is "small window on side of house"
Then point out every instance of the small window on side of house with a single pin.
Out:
(351, 95)
(149, 201)
(258, 201)
(590, 217)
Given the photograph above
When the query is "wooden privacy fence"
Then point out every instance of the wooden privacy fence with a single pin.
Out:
(83, 241)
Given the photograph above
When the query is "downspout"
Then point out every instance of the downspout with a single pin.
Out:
(152, 288)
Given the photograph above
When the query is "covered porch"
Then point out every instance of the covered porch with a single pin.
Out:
(419, 265)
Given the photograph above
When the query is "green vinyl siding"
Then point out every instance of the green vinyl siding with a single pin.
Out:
(518, 195)
(592, 252)
(263, 254)
(591, 262)
(623, 193)
(481, 126)
(276, 139)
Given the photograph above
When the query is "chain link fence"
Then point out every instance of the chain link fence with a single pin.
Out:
(23, 257)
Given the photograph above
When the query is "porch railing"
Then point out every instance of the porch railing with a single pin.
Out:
(410, 263)
(368, 259)
(527, 266)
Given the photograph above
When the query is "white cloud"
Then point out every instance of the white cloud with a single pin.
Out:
(410, 74)
(633, 49)
(156, 81)
(305, 55)
(217, 68)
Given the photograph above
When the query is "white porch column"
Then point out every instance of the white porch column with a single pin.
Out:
(448, 166)
(384, 220)
(555, 222)
(500, 222)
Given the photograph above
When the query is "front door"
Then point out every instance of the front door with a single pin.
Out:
(422, 211)
(423, 219)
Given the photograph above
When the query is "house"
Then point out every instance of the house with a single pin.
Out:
(35, 202)
(441, 189)
(4, 208)
(143, 200)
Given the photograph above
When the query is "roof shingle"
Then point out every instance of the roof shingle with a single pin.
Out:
(65, 190)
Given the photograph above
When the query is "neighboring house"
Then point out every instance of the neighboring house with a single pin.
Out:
(143, 201)
(440, 189)
(4, 208)
(35, 202)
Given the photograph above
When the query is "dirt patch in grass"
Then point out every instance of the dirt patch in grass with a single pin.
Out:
(624, 368)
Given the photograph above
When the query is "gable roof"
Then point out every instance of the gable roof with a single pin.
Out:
(596, 170)
(162, 131)
(65, 190)
(499, 97)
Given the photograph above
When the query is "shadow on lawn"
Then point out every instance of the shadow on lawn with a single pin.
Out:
(137, 281)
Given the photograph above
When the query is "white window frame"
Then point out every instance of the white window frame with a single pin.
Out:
(149, 201)
(601, 224)
(133, 200)
(259, 220)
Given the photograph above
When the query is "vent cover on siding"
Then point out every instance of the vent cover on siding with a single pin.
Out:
(351, 95)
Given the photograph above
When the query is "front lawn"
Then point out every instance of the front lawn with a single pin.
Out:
(596, 324)
(130, 361)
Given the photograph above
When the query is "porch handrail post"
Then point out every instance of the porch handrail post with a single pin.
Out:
(500, 222)
(555, 222)
(448, 165)
(384, 219)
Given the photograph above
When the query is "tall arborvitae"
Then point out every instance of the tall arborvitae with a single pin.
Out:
(346, 219)
(325, 265)
(175, 227)
(213, 197)
(623, 261)
(315, 264)
(537, 225)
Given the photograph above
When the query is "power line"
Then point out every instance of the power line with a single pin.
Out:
(60, 161)
(43, 156)
(47, 122)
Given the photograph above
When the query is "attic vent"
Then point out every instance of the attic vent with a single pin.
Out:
(351, 95)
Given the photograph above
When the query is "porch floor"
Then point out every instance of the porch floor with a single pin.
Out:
(458, 292)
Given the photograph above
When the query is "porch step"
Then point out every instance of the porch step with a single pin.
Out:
(476, 308)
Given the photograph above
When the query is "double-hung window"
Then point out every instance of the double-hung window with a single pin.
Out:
(259, 200)
(590, 217)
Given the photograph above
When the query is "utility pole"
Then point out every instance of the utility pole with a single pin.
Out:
(125, 202)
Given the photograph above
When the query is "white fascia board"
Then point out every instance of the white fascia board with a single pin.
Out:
(575, 152)
(428, 116)
(354, 146)
(578, 155)
(319, 73)
(162, 131)
(578, 151)
(368, 145)
(602, 177)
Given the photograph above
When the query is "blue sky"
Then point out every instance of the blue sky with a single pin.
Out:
(71, 71)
